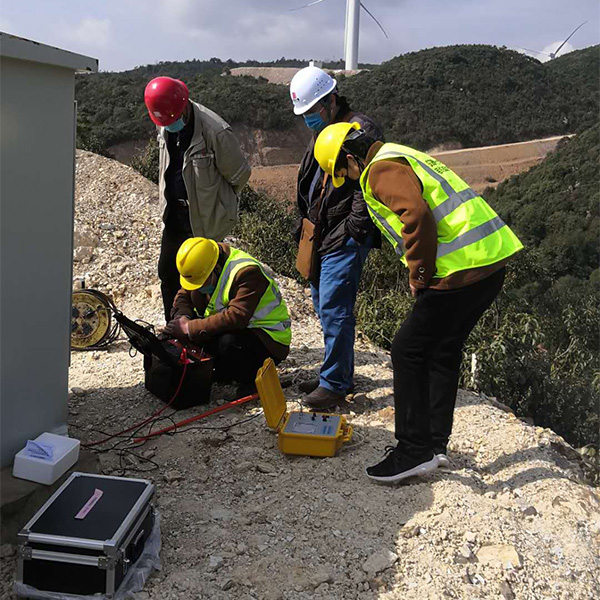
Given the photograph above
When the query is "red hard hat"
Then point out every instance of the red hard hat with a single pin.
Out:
(165, 99)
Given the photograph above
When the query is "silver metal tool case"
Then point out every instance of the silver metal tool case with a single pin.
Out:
(61, 551)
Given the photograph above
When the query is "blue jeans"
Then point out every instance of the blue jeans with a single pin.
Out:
(334, 301)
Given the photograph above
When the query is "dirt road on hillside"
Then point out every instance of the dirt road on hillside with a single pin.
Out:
(480, 167)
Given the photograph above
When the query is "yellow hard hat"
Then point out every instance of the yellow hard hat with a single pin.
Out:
(196, 258)
(328, 146)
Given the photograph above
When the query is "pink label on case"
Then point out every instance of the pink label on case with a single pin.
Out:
(89, 504)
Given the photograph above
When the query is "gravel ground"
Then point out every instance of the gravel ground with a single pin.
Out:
(511, 517)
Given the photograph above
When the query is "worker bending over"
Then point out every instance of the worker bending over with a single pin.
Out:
(455, 247)
(230, 306)
(201, 171)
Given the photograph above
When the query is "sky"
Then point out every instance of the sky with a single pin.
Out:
(123, 34)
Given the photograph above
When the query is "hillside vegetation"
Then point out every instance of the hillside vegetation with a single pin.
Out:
(538, 347)
(580, 70)
(471, 95)
(476, 96)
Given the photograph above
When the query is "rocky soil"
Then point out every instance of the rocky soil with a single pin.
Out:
(511, 518)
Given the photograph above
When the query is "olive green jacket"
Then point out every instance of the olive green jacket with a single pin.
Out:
(214, 172)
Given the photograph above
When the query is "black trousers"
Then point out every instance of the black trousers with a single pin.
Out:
(238, 356)
(172, 238)
(426, 355)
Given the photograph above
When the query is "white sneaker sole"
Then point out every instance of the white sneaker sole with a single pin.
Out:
(422, 469)
(443, 461)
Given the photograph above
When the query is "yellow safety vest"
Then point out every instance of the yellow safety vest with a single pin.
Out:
(271, 314)
(469, 232)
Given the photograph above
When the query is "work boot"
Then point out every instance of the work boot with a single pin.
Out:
(309, 385)
(397, 465)
(322, 398)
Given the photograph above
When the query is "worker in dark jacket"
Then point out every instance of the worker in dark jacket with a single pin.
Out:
(231, 307)
(347, 235)
(455, 247)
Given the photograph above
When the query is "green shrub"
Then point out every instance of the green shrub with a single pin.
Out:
(146, 162)
(265, 229)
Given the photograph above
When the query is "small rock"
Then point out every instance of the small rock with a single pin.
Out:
(506, 591)
(320, 577)
(241, 548)
(242, 467)
(226, 584)
(220, 514)
(82, 252)
(79, 392)
(470, 537)
(173, 476)
(465, 552)
(380, 561)
(498, 556)
(215, 563)
(265, 468)
(412, 532)
(529, 511)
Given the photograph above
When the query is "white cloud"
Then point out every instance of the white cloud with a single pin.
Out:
(550, 48)
(89, 33)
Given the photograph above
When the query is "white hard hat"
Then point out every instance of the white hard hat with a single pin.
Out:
(308, 86)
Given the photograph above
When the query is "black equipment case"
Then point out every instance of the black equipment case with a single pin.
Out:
(163, 367)
(163, 375)
(87, 536)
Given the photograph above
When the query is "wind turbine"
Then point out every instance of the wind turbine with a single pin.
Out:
(553, 55)
(352, 28)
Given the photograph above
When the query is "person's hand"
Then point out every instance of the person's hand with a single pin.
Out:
(177, 328)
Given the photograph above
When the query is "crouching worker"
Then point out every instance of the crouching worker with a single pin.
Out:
(228, 305)
(455, 247)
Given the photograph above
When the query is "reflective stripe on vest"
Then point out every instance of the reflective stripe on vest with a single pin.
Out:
(272, 316)
(445, 192)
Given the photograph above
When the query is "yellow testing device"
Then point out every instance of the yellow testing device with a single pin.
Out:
(303, 433)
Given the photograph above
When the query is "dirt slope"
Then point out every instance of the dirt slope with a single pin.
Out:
(510, 519)
(479, 167)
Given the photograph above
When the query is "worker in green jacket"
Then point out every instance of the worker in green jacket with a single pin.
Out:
(455, 247)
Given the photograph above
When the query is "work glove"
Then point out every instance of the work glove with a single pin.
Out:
(177, 328)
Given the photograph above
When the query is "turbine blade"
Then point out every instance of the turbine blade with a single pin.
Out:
(306, 5)
(374, 19)
(530, 50)
(570, 36)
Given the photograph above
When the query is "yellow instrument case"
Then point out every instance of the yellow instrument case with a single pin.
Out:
(298, 432)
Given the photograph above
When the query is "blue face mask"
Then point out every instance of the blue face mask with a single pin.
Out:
(207, 289)
(176, 126)
(315, 122)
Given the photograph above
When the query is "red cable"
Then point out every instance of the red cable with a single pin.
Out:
(182, 359)
(212, 411)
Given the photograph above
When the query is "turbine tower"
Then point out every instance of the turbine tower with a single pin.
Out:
(351, 30)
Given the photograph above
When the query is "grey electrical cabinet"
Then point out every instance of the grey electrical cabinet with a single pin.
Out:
(37, 172)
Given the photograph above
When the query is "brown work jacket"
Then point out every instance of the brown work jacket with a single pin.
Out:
(247, 289)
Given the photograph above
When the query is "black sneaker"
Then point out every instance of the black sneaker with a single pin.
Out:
(396, 465)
